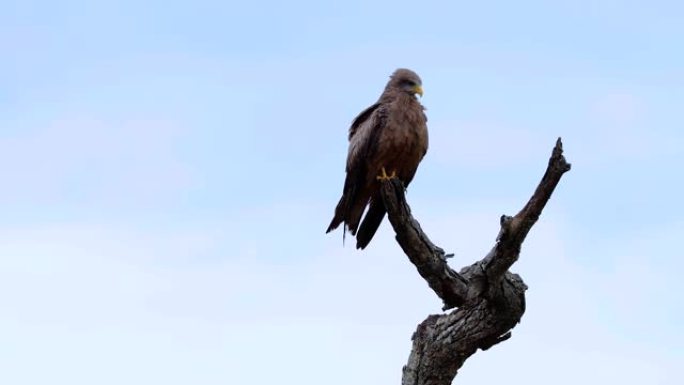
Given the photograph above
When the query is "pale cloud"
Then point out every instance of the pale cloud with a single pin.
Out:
(86, 159)
(619, 108)
(84, 299)
(485, 144)
(622, 127)
(619, 134)
(636, 289)
(618, 127)
(543, 361)
(219, 300)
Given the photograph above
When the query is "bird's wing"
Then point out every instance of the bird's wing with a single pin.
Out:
(399, 135)
(361, 118)
(364, 135)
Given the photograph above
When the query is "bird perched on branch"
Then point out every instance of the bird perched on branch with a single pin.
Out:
(386, 140)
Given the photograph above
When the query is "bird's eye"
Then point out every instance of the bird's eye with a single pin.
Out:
(408, 83)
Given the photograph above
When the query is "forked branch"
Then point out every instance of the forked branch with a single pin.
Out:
(490, 299)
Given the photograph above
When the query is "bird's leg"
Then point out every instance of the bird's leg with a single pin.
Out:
(383, 176)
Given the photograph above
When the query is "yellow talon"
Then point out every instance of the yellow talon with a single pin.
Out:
(383, 176)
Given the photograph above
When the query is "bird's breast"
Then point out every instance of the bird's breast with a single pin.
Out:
(404, 141)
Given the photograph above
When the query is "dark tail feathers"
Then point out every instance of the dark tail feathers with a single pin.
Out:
(371, 222)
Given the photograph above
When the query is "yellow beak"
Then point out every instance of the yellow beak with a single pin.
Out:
(419, 90)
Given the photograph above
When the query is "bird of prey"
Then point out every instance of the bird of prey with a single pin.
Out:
(386, 140)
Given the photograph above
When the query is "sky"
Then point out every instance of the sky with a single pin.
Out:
(169, 169)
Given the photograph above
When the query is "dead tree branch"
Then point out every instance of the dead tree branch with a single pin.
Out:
(489, 298)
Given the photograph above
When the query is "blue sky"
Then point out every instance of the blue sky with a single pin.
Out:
(169, 170)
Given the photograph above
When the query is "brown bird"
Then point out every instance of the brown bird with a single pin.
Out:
(388, 137)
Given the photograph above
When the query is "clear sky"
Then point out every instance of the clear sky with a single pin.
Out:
(168, 171)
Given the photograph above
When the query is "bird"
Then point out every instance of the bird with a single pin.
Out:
(386, 140)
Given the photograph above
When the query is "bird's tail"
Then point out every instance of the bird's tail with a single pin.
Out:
(371, 222)
(338, 218)
(335, 223)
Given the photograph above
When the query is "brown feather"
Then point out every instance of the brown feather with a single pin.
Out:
(391, 133)
(371, 222)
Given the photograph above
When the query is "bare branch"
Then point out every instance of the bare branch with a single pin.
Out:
(430, 260)
(515, 229)
(490, 299)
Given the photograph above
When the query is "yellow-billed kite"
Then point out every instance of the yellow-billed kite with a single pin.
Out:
(386, 140)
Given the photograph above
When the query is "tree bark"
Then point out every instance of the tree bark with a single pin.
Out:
(489, 299)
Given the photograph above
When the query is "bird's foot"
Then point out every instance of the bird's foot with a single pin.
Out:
(383, 176)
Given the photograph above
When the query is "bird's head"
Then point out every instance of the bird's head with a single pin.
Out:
(407, 81)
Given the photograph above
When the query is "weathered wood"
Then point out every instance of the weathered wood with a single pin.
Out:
(430, 260)
(489, 298)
